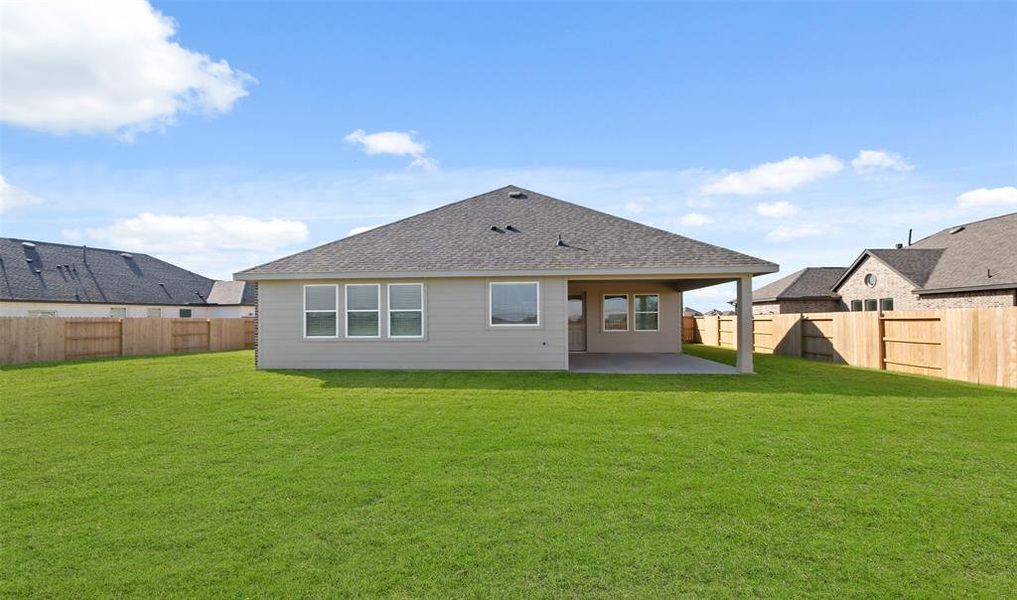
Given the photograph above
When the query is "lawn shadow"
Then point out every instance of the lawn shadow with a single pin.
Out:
(774, 375)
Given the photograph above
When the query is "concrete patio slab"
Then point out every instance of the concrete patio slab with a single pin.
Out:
(646, 362)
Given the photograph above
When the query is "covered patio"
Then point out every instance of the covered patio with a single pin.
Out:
(629, 323)
(646, 363)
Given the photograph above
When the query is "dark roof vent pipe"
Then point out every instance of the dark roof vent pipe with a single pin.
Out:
(497, 229)
(516, 195)
(511, 228)
(899, 245)
(560, 241)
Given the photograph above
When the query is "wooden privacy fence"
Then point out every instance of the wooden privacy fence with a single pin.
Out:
(969, 344)
(35, 339)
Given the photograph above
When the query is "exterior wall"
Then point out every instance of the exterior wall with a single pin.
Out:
(984, 299)
(76, 309)
(891, 285)
(796, 306)
(666, 339)
(456, 331)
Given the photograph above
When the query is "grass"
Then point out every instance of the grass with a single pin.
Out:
(195, 475)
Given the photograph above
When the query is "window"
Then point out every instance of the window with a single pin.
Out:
(406, 310)
(870, 280)
(870, 304)
(856, 306)
(362, 305)
(321, 309)
(886, 304)
(616, 312)
(645, 312)
(514, 303)
(154, 312)
(118, 312)
(185, 313)
(42, 313)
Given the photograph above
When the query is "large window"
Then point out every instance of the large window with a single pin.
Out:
(321, 310)
(616, 312)
(870, 304)
(514, 303)
(886, 304)
(363, 302)
(856, 306)
(406, 310)
(646, 312)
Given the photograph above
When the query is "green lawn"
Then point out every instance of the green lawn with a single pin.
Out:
(195, 475)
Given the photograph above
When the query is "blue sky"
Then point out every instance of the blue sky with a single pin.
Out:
(688, 117)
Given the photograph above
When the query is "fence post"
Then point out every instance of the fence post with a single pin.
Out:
(881, 342)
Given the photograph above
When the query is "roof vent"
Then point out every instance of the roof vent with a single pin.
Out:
(497, 229)
(38, 271)
(28, 260)
(516, 195)
(899, 246)
(511, 228)
(28, 244)
(560, 241)
(957, 230)
(127, 255)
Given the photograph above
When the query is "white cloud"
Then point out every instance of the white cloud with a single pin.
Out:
(786, 233)
(362, 229)
(395, 143)
(108, 66)
(634, 207)
(1001, 196)
(695, 220)
(868, 161)
(781, 176)
(13, 197)
(776, 209)
(150, 232)
(71, 234)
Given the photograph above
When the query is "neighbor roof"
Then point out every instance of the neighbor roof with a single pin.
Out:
(460, 238)
(69, 273)
(810, 283)
(978, 255)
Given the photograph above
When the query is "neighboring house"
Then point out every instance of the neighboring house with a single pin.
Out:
(691, 312)
(970, 265)
(807, 290)
(510, 279)
(46, 279)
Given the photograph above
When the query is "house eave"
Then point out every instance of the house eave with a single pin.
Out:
(653, 272)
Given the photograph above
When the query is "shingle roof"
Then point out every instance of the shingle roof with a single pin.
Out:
(978, 255)
(810, 282)
(970, 255)
(458, 237)
(77, 274)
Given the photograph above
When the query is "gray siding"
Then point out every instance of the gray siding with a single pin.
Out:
(667, 339)
(457, 334)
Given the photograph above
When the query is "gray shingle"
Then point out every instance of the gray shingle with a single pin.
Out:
(808, 283)
(458, 237)
(971, 254)
(76, 274)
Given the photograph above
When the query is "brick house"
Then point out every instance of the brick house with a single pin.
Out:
(966, 266)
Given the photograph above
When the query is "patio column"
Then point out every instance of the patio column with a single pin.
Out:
(744, 307)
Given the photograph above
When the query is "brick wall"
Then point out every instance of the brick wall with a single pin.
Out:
(891, 285)
(795, 306)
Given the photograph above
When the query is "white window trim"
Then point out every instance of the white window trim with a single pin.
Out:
(303, 313)
(604, 313)
(490, 307)
(389, 311)
(635, 323)
(347, 311)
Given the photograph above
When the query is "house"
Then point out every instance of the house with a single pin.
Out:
(807, 290)
(691, 312)
(47, 279)
(970, 265)
(509, 279)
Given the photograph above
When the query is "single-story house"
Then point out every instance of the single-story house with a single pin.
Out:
(509, 279)
(47, 279)
(807, 290)
(965, 266)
